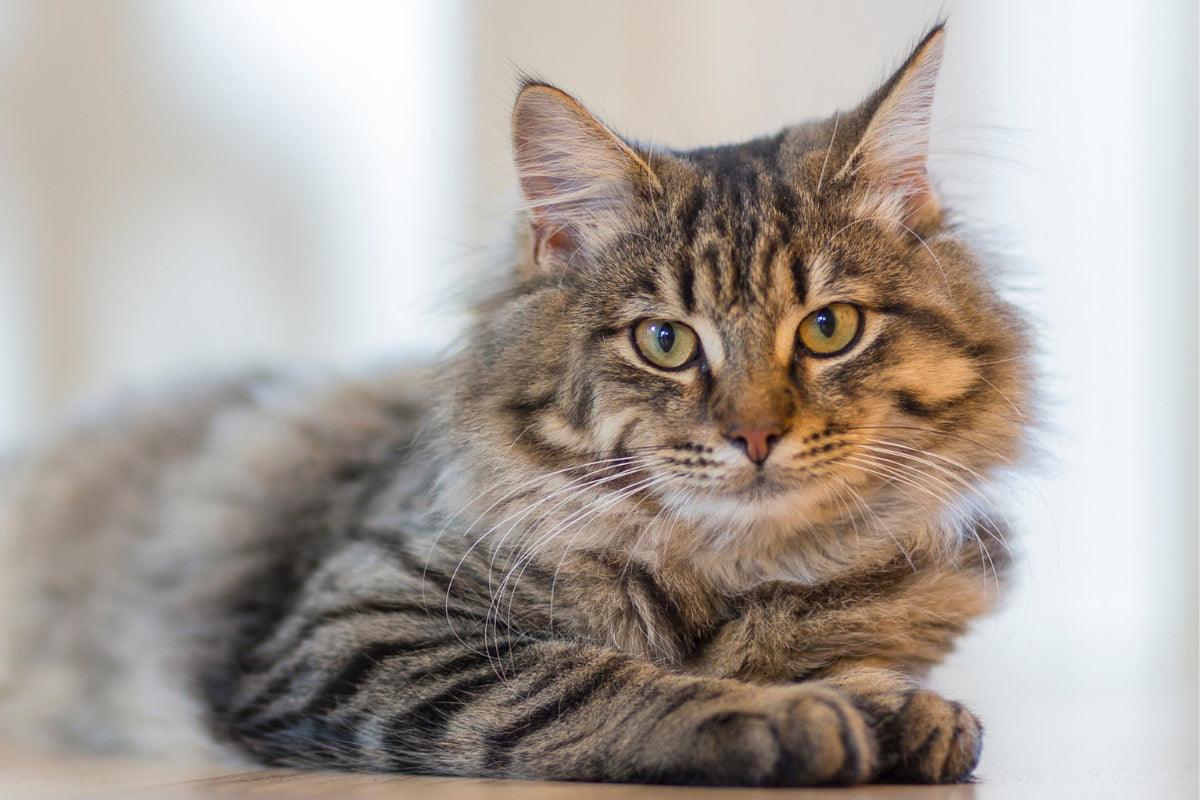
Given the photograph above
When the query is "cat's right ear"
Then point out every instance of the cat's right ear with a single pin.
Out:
(582, 183)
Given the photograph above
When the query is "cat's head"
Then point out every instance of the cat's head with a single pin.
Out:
(749, 340)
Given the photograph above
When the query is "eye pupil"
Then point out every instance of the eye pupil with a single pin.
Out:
(666, 337)
(826, 322)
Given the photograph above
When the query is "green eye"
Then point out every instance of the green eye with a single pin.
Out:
(830, 330)
(665, 343)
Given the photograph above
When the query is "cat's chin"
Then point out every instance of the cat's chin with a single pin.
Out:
(760, 503)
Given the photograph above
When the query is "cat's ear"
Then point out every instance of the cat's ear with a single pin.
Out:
(582, 183)
(890, 157)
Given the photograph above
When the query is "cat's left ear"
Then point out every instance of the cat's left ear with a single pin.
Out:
(890, 157)
(583, 184)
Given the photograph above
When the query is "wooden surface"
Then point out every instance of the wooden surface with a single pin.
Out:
(42, 778)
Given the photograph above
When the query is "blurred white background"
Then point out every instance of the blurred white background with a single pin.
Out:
(195, 185)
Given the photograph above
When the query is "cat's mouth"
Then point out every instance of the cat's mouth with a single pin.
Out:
(758, 485)
(759, 488)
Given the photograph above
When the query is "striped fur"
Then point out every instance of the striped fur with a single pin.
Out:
(550, 562)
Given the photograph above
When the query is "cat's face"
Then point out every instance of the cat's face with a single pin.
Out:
(760, 336)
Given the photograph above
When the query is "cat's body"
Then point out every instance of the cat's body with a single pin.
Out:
(564, 559)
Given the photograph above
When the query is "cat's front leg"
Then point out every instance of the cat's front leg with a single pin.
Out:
(868, 636)
(922, 736)
(492, 705)
(902, 615)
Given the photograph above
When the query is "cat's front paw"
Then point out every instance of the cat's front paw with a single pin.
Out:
(801, 735)
(923, 737)
(932, 740)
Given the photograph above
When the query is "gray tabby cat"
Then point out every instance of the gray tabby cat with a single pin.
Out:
(696, 502)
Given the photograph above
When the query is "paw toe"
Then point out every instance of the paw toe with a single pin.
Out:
(826, 740)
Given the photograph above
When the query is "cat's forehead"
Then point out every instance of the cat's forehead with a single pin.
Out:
(751, 239)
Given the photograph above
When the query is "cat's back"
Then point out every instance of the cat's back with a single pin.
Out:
(116, 533)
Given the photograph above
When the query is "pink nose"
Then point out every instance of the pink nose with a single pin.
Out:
(755, 442)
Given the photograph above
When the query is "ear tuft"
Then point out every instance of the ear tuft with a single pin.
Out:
(581, 182)
(891, 157)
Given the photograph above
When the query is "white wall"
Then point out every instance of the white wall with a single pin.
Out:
(197, 184)
(201, 183)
